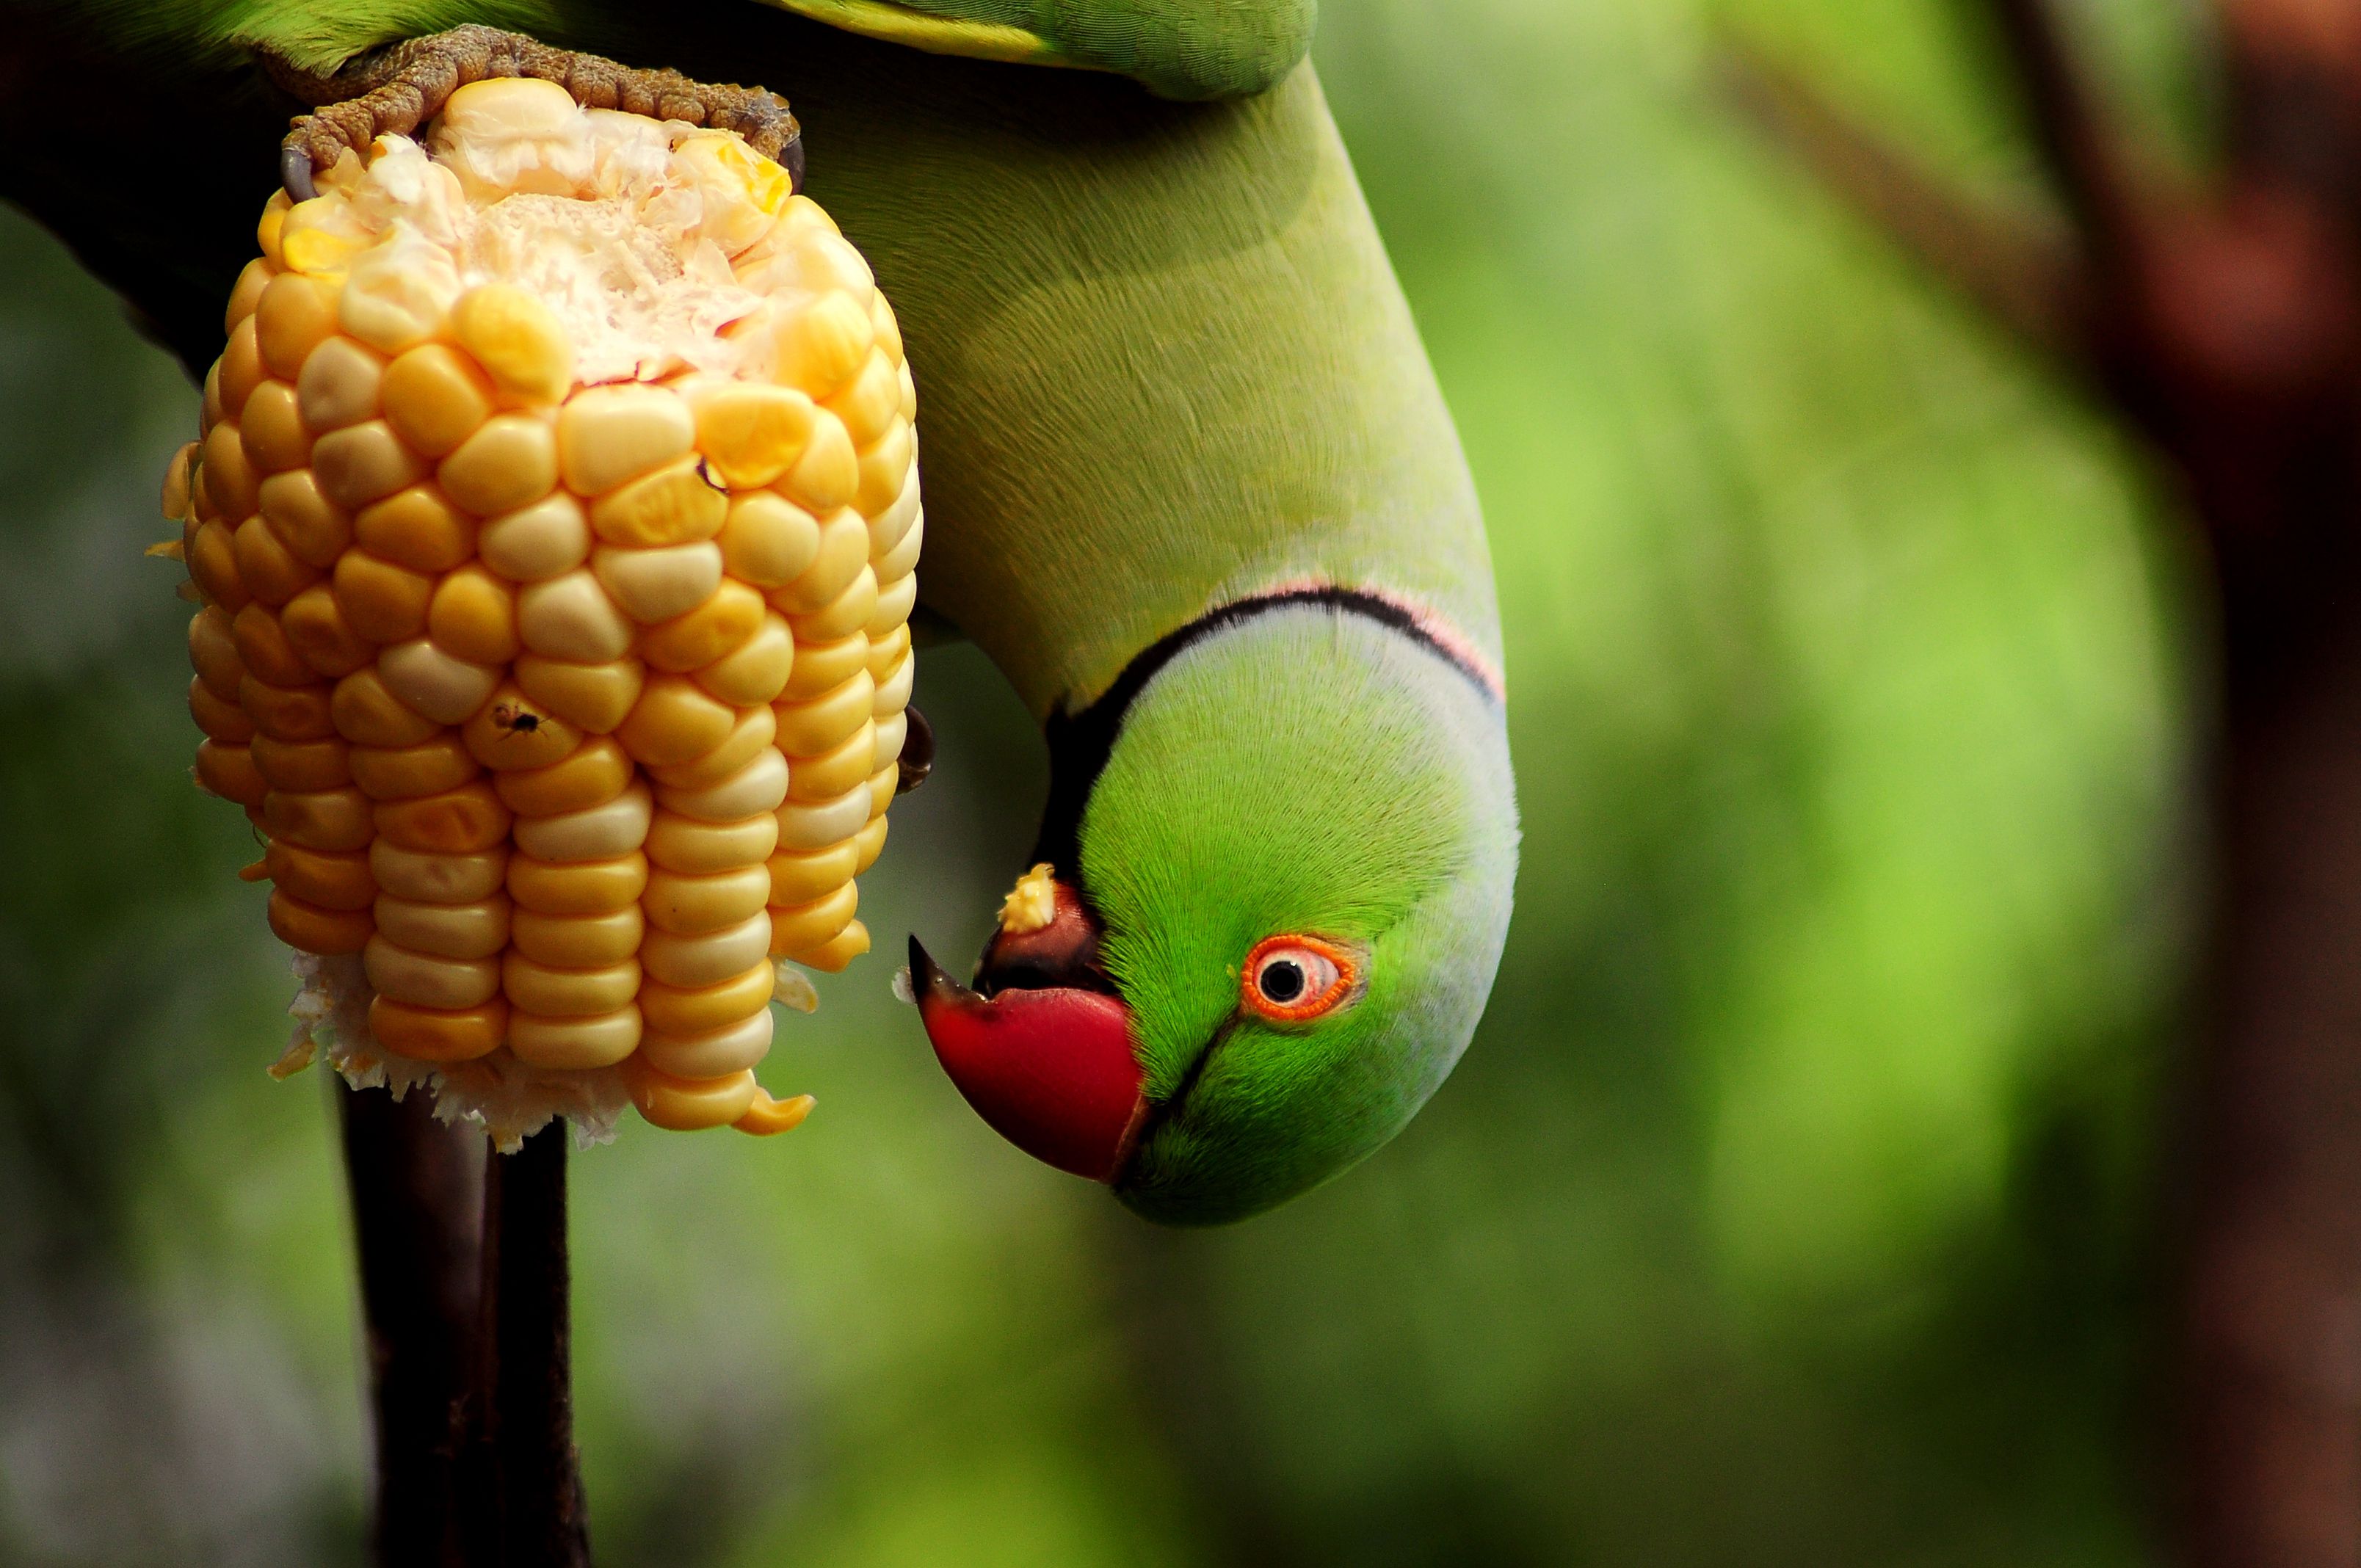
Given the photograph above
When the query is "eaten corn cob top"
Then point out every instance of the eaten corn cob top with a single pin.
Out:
(552, 527)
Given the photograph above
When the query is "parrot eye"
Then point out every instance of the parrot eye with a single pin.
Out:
(1293, 979)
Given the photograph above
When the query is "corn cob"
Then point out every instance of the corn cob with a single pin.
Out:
(552, 524)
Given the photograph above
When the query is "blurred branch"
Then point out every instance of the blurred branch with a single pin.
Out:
(2024, 277)
(2075, 139)
(526, 1384)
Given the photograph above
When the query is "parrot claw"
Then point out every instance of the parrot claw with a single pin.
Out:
(295, 173)
(918, 758)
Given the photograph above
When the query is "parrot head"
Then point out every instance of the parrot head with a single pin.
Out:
(1280, 851)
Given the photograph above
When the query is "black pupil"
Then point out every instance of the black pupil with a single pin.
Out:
(1282, 981)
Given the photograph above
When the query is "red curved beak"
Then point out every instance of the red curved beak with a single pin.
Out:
(1048, 1066)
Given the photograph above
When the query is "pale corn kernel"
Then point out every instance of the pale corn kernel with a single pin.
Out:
(757, 672)
(314, 528)
(828, 261)
(212, 651)
(319, 819)
(909, 394)
(734, 1047)
(597, 887)
(444, 930)
(886, 527)
(797, 877)
(339, 881)
(849, 612)
(675, 505)
(673, 721)
(436, 397)
(469, 820)
(769, 541)
(699, 848)
(883, 785)
(228, 480)
(223, 721)
(363, 463)
(828, 473)
(753, 434)
(513, 733)
(247, 292)
(510, 461)
(301, 765)
(894, 691)
(438, 879)
(596, 772)
(839, 768)
(295, 315)
(683, 1105)
(549, 992)
(609, 434)
(895, 602)
(800, 927)
(381, 601)
(286, 713)
(446, 689)
(887, 327)
(593, 697)
(241, 370)
(438, 1035)
(653, 585)
(759, 786)
(270, 574)
(819, 724)
(843, 551)
(823, 823)
(338, 385)
(831, 956)
(825, 347)
(367, 714)
(517, 339)
(708, 957)
(507, 110)
(308, 928)
(750, 735)
(719, 627)
(898, 563)
(579, 942)
(230, 773)
(742, 193)
(598, 833)
(871, 403)
(397, 294)
(888, 653)
(677, 1010)
(885, 468)
(545, 539)
(418, 527)
(693, 905)
(474, 614)
(571, 618)
(892, 731)
(575, 1045)
(870, 842)
(271, 430)
(407, 772)
(427, 982)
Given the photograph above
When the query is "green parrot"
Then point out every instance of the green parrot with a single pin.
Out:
(1191, 487)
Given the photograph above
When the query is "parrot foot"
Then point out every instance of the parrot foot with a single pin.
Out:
(918, 753)
(394, 90)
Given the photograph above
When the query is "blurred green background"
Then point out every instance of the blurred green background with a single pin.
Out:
(1797, 1204)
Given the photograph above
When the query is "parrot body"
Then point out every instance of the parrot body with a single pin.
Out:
(1191, 485)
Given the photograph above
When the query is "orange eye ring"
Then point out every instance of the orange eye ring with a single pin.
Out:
(1293, 978)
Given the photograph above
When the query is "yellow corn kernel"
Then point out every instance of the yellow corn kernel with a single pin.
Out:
(730, 1047)
(892, 731)
(699, 849)
(444, 930)
(408, 772)
(768, 541)
(302, 765)
(885, 468)
(841, 767)
(888, 653)
(595, 833)
(517, 339)
(295, 315)
(894, 691)
(512, 732)
(828, 475)
(659, 584)
(823, 823)
(439, 1035)
(229, 771)
(597, 887)
(849, 611)
(752, 433)
(671, 1010)
(367, 714)
(870, 403)
(445, 689)
(831, 956)
(674, 722)
(397, 295)
(870, 842)
(693, 905)
(887, 525)
(223, 721)
(176, 497)
(823, 347)
(759, 786)
(683, 1105)
(426, 981)
(417, 527)
(210, 411)
(579, 942)
(610, 434)
(263, 649)
(247, 292)
(228, 480)
(241, 368)
(757, 672)
(571, 618)
(895, 601)
(338, 385)
(314, 528)
(319, 819)
(270, 573)
(271, 430)
(287, 713)
(592, 698)
(308, 928)
(797, 928)
(429, 878)
(677, 504)
(884, 784)
(889, 330)
(822, 723)
(898, 562)
(468, 820)
(799, 877)
(336, 882)
(363, 463)
(534, 543)
(752, 732)
(596, 773)
(474, 616)
(550, 992)
(212, 566)
(575, 1045)
(823, 666)
(212, 651)
(436, 397)
(511, 461)
(719, 627)
(706, 958)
